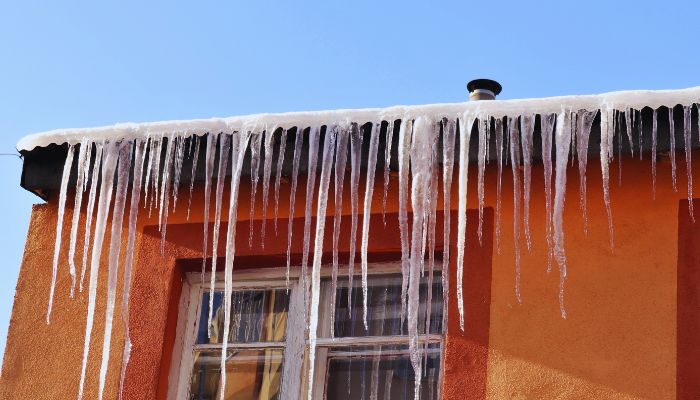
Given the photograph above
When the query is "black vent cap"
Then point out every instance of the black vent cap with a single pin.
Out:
(487, 84)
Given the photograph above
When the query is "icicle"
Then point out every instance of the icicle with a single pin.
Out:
(515, 167)
(367, 212)
(59, 225)
(298, 142)
(108, 169)
(404, 158)
(381, 315)
(267, 170)
(177, 167)
(481, 167)
(583, 132)
(562, 143)
(465, 129)
(255, 143)
(166, 183)
(156, 174)
(83, 165)
(115, 245)
(129, 260)
(90, 208)
(547, 126)
(387, 164)
(420, 184)
(431, 214)
(153, 144)
(499, 186)
(619, 147)
(356, 138)
(195, 159)
(629, 119)
(641, 132)
(308, 210)
(605, 140)
(278, 172)
(672, 138)
(527, 123)
(341, 156)
(208, 172)
(448, 155)
(239, 143)
(224, 151)
(326, 168)
(653, 154)
(687, 136)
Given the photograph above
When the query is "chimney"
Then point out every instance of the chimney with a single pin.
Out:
(483, 89)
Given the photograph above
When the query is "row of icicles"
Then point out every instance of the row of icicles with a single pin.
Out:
(422, 162)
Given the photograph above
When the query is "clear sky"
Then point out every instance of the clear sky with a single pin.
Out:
(80, 64)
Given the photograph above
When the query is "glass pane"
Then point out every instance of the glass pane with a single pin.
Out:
(381, 373)
(383, 307)
(256, 316)
(250, 375)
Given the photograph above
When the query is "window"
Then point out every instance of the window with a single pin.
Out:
(267, 350)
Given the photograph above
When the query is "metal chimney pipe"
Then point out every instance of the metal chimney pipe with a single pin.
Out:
(483, 89)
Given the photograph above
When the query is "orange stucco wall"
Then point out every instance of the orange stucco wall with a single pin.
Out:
(618, 342)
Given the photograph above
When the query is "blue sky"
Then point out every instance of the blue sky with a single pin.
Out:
(80, 64)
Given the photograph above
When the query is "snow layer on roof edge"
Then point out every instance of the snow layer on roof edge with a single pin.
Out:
(636, 99)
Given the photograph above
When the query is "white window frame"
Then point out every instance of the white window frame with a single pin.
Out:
(295, 366)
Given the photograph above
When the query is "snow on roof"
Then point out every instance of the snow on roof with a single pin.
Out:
(635, 99)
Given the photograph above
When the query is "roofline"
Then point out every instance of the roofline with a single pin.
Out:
(621, 100)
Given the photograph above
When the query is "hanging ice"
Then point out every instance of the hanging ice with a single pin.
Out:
(482, 126)
(527, 123)
(195, 141)
(389, 138)
(562, 143)
(514, 136)
(547, 126)
(499, 186)
(367, 212)
(404, 157)
(115, 245)
(308, 211)
(606, 133)
(108, 169)
(83, 164)
(208, 172)
(278, 172)
(255, 143)
(672, 151)
(59, 225)
(687, 139)
(583, 132)
(267, 171)
(356, 138)
(298, 141)
(448, 154)
(90, 209)
(327, 166)
(341, 156)
(465, 129)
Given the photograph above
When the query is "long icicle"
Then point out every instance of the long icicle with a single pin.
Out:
(90, 209)
(547, 126)
(583, 132)
(108, 169)
(672, 152)
(389, 138)
(562, 142)
(499, 183)
(83, 165)
(298, 142)
(278, 172)
(224, 151)
(177, 167)
(115, 245)
(514, 135)
(367, 212)
(196, 141)
(687, 138)
(308, 210)
(420, 181)
(341, 156)
(267, 171)
(166, 183)
(482, 125)
(255, 144)
(404, 158)
(448, 155)
(129, 256)
(59, 225)
(208, 172)
(356, 138)
(327, 166)
(527, 123)
(606, 134)
(239, 143)
(465, 130)
(654, 127)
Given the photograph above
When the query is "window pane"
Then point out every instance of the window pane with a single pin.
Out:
(256, 316)
(381, 373)
(383, 307)
(250, 375)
